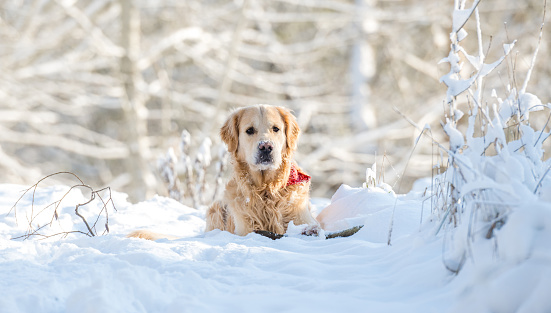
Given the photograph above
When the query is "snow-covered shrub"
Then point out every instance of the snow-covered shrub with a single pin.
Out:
(496, 164)
(174, 170)
(167, 169)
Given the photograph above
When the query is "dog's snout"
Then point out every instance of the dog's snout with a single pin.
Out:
(265, 155)
(265, 146)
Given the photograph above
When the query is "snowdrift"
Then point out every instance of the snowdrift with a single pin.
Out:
(221, 272)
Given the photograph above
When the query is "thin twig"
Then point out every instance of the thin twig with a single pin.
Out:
(434, 140)
(542, 130)
(64, 234)
(400, 186)
(32, 231)
(534, 56)
(541, 180)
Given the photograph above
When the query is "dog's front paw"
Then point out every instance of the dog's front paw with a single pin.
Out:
(311, 230)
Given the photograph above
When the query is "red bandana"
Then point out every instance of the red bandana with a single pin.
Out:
(297, 177)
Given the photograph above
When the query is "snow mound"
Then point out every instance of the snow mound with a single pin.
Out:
(373, 208)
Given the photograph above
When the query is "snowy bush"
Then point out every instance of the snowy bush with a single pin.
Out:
(195, 190)
(495, 163)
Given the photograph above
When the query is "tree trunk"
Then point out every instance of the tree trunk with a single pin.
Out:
(135, 112)
(362, 70)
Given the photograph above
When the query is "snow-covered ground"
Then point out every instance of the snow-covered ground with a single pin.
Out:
(221, 272)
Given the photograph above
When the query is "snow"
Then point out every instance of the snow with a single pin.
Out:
(529, 103)
(456, 137)
(371, 176)
(525, 104)
(524, 261)
(456, 86)
(460, 17)
(221, 272)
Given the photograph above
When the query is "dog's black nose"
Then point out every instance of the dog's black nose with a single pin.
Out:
(265, 147)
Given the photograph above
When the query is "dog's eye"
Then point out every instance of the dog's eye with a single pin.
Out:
(250, 131)
(275, 129)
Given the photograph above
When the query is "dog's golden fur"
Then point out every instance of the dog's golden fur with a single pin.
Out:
(257, 197)
(149, 235)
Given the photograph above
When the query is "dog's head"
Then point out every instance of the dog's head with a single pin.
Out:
(261, 135)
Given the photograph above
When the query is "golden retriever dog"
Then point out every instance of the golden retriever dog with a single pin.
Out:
(267, 189)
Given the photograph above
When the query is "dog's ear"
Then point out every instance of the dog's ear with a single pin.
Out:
(230, 131)
(291, 128)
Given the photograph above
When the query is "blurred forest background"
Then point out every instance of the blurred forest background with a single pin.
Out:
(103, 88)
